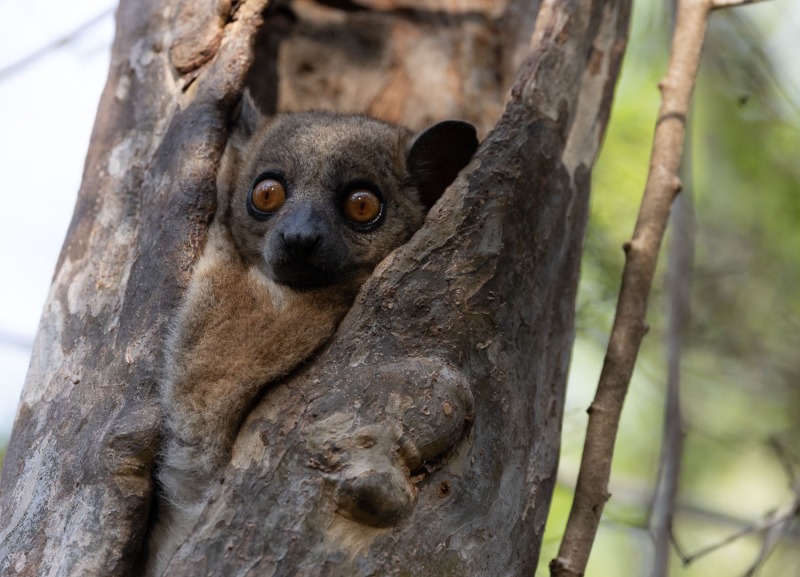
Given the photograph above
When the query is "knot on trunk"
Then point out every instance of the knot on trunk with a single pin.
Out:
(408, 413)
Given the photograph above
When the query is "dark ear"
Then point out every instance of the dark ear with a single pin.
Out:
(438, 155)
(250, 116)
(246, 119)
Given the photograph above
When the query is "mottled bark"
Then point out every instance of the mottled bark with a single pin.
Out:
(424, 439)
(76, 484)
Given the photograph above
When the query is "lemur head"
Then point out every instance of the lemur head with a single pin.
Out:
(317, 198)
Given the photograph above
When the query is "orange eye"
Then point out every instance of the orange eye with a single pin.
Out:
(268, 195)
(362, 206)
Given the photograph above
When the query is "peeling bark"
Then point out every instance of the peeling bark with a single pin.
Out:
(424, 438)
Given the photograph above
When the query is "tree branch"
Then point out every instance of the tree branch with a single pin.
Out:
(717, 4)
(679, 287)
(50, 47)
(774, 525)
(663, 184)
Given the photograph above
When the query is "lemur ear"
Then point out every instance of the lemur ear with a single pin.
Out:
(247, 117)
(437, 156)
(250, 116)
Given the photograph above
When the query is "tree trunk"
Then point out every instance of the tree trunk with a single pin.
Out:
(424, 438)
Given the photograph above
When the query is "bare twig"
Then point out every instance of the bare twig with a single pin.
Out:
(71, 36)
(781, 526)
(679, 283)
(15, 340)
(774, 526)
(634, 493)
(772, 536)
(774, 532)
(717, 4)
(641, 256)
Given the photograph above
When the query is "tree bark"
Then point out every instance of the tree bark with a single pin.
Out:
(76, 481)
(424, 438)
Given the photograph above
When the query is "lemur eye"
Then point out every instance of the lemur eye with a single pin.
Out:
(362, 206)
(268, 195)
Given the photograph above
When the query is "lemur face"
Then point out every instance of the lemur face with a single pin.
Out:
(321, 198)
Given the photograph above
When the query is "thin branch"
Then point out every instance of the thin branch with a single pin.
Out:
(772, 536)
(770, 523)
(688, 558)
(641, 256)
(632, 493)
(71, 36)
(679, 285)
(775, 526)
(16, 340)
(680, 264)
(774, 533)
(717, 4)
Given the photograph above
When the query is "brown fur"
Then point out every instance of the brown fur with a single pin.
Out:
(238, 331)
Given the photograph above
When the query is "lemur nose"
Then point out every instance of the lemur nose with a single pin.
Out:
(301, 241)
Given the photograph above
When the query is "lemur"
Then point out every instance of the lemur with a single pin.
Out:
(308, 204)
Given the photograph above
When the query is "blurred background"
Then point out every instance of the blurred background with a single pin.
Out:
(740, 368)
(54, 60)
